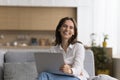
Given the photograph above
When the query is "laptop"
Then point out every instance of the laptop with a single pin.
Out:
(49, 62)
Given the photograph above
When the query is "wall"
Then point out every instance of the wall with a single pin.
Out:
(39, 2)
(85, 27)
(100, 17)
(105, 22)
(118, 27)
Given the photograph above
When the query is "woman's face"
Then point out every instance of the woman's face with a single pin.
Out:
(67, 29)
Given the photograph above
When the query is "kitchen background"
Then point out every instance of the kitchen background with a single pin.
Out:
(26, 38)
(30, 26)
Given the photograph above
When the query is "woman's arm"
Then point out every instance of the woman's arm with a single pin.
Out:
(78, 63)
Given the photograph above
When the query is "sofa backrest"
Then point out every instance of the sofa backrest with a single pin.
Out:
(21, 55)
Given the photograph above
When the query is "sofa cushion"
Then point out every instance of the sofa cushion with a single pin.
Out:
(22, 55)
(20, 71)
(19, 56)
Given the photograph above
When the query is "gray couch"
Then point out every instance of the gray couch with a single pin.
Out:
(19, 64)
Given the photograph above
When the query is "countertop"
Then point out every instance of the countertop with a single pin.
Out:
(25, 47)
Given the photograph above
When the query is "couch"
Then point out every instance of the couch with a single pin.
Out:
(19, 64)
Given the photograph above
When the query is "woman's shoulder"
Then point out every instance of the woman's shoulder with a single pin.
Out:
(78, 44)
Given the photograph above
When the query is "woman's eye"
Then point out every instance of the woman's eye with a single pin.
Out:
(64, 25)
(71, 27)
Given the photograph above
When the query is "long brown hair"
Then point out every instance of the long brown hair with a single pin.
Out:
(58, 39)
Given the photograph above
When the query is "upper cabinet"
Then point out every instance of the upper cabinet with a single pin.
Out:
(33, 18)
(8, 18)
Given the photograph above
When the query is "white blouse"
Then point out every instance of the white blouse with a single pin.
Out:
(74, 56)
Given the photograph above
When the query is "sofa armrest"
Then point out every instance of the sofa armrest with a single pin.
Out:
(89, 62)
(2, 53)
(1, 73)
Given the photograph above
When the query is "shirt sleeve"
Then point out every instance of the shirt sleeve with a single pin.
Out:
(78, 63)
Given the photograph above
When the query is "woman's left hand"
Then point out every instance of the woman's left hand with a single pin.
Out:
(66, 69)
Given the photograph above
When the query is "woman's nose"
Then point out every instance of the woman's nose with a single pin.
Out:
(67, 28)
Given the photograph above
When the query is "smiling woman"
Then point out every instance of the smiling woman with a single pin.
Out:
(73, 52)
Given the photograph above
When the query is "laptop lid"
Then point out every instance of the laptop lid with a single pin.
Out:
(49, 62)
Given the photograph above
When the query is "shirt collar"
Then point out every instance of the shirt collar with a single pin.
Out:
(70, 46)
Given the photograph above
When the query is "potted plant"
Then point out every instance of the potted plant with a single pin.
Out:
(104, 41)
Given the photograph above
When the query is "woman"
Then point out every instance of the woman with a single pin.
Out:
(72, 50)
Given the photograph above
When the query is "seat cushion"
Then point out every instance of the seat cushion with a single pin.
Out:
(20, 71)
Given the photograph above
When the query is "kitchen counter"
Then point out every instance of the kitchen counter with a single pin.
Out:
(25, 47)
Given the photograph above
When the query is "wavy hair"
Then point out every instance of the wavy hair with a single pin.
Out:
(58, 39)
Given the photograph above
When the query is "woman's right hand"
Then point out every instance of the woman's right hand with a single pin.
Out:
(66, 69)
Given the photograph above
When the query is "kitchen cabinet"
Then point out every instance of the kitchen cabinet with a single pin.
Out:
(33, 18)
(8, 18)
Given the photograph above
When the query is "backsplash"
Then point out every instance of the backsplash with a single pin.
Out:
(26, 38)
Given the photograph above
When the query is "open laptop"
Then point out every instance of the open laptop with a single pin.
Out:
(49, 62)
